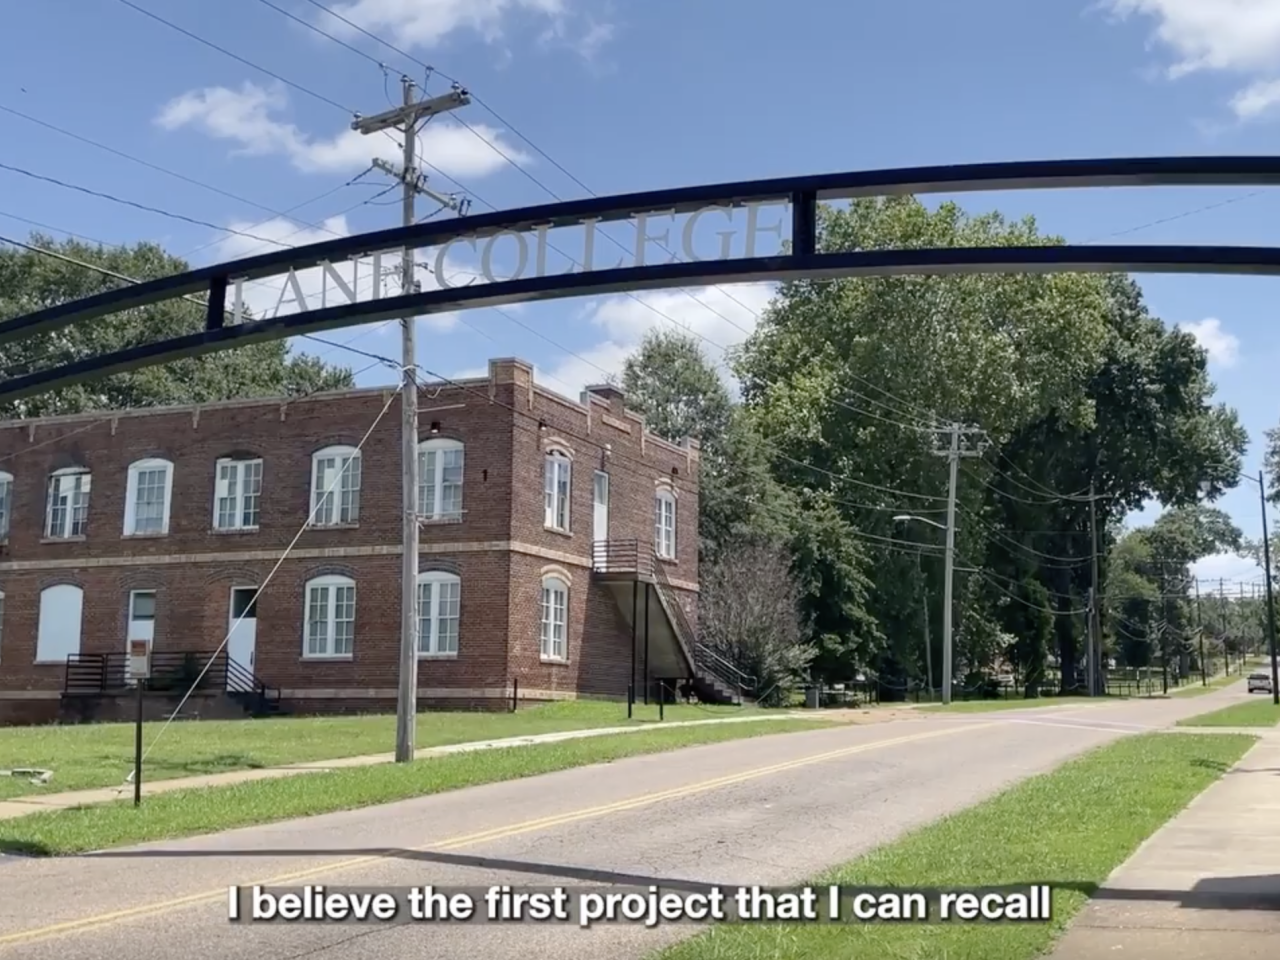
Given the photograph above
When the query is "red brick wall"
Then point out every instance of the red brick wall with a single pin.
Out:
(498, 549)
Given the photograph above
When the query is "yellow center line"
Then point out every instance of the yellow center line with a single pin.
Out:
(467, 840)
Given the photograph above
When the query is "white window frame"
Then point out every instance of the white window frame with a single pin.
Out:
(554, 587)
(6, 506)
(136, 469)
(332, 584)
(234, 489)
(55, 484)
(431, 481)
(557, 488)
(431, 584)
(40, 620)
(155, 604)
(664, 535)
(326, 511)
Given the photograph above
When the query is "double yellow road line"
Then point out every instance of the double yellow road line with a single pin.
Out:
(472, 839)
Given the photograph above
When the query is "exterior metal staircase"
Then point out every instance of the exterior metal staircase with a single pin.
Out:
(680, 655)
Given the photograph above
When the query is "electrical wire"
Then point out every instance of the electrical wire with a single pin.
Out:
(239, 59)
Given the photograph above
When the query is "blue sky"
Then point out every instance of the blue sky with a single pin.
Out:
(634, 94)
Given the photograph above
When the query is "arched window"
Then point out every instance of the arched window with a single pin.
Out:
(439, 606)
(558, 476)
(147, 498)
(440, 479)
(330, 618)
(664, 524)
(58, 630)
(236, 493)
(555, 619)
(67, 512)
(335, 486)
(6, 503)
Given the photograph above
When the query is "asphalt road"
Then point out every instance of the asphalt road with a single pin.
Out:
(769, 811)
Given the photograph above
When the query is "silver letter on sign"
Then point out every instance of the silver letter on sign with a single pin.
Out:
(589, 246)
(290, 285)
(522, 255)
(726, 236)
(327, 273)
(753, 223)
(643, 236)
(443, 251)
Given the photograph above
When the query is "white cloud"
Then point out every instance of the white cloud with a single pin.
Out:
(1256, 99)
(1228, 36)
(425, 23)
(1223, 348)
(719, 317)
(1226, 566)
(249, 117)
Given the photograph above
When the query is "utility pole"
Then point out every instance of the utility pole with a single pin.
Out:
(928, 643)
(1204, 679)
(964, 441)
(1241, 643)
(1096, 686)
(1222, 611)
(1271, 609)
(406, 119)
(1162, 630)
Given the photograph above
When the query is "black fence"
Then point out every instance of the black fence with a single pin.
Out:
(177, 671)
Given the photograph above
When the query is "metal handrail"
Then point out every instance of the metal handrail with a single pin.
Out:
(705, 657)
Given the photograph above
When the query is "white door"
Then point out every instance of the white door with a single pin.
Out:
(142, 620)
(600, 531)
(242, 638)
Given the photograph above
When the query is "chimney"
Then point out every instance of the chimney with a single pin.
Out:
(610, 394)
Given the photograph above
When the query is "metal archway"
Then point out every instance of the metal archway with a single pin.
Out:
(528, 227)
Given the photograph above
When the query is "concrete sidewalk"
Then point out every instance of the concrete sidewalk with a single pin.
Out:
(1206, 885)
(36, 802)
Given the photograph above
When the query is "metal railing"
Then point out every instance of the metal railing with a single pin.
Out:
(623, 556)
(641, 560)
(176, 671)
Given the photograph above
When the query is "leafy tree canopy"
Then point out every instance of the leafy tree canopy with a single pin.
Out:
(32, 281)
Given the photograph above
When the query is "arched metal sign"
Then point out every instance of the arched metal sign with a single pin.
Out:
(514, 248)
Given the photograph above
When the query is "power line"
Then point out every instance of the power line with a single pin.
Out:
(155, 166)
(196, 221)
(239, 59)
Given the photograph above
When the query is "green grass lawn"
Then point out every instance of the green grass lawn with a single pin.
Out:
(1013, 703)
(1069, 828)
(188, 812)
(1252, 713)
(84, 756)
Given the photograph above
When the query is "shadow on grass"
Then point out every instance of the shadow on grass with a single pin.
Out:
(23, 848)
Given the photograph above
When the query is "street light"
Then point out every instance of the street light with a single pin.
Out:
(1205, 486)
(946, 598)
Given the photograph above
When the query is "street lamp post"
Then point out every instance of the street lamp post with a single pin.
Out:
(1271, 609)
(947, 580)
(1261, 481)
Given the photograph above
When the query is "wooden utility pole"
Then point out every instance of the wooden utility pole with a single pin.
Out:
(406, 119)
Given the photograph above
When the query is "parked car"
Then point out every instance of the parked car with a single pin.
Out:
(1259, 683)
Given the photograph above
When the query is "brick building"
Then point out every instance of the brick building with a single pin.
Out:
(559, 550)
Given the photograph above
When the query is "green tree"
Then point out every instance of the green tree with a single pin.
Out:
(1151, 431)
(681, 394)
(850, 379)
(32, 281)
